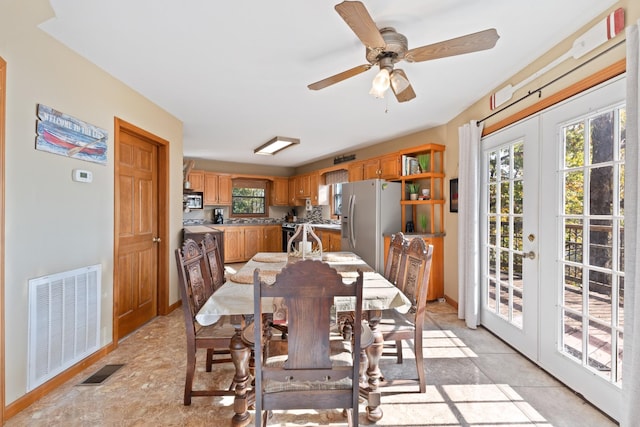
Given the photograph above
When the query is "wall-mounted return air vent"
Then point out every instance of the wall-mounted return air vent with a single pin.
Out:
(64, 321)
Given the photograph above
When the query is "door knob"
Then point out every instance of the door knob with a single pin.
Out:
(156, 240)
(530, 255)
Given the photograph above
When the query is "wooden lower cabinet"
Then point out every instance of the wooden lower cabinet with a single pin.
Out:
(436, 279)
(233, 244)
(252, 241)
(242, 242)
(331, 240)
(272, 239)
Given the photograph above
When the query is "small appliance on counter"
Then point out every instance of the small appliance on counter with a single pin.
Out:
(217, 216)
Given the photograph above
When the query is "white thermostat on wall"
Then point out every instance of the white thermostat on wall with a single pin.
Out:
(80, 175)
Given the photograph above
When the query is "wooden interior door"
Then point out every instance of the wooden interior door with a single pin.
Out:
(3, 74)
(136, 273)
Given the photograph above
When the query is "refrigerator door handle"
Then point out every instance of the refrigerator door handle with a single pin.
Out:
(352, 237)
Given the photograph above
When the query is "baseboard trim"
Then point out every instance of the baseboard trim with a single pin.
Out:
(25, 401)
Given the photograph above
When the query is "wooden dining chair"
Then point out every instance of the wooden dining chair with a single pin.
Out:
(213, 259)
(320, 368)
(395, 256)
(413, 279)
(195, 288)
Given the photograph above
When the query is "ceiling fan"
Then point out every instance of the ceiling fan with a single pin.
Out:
(385, 47)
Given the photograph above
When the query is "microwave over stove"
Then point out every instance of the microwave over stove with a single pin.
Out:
(193, 200)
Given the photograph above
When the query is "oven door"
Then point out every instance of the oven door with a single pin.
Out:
(287, 233)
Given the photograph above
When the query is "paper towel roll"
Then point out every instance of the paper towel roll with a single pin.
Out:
(304, 247)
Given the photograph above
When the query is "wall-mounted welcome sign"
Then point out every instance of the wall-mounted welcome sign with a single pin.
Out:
(62, 134)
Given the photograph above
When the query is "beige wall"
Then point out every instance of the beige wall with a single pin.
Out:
(52, 223)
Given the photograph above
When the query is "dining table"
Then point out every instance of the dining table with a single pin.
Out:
(235, 299)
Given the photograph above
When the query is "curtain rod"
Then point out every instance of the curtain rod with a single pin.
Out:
(539, 90)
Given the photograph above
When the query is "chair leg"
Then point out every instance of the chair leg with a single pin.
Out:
(350, 414)
(209, 362)
(399, 351)
(191, 368)
(417, 345)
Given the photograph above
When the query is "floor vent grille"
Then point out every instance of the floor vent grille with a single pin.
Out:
(102, 374)
(64, 321)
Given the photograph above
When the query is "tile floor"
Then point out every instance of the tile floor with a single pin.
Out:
(473, 379)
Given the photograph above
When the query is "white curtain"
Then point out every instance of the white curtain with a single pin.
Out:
(469, 137)
(631, 352)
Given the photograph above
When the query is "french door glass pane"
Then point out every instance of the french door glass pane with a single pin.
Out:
(504, 224)
(593, 228)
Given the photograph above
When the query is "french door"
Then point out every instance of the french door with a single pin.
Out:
(582, 270)
(509, 232)
(552, 240)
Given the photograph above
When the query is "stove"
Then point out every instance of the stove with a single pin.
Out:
(288, 230)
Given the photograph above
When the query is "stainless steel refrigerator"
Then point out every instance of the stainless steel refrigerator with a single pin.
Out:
(370, 209)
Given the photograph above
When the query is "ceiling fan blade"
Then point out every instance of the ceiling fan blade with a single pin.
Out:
(339, 77)
(481, 40)
(356, 16)
(401, 87)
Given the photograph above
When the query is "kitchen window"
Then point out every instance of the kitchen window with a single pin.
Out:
(337, 199)
(335, 180)
(249, 198)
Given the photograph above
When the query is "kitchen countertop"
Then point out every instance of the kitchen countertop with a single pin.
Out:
(204, 228)
(199, 228)
(327, 226)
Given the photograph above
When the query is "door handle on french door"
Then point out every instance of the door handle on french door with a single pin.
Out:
(530, 254)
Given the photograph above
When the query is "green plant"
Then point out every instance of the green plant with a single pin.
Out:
(423, 161)
(423, 222)
(413, 188)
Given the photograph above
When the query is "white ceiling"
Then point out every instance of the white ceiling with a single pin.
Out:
(236, 72)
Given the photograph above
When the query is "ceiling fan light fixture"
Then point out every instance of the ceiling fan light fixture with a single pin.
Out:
(275, 145)
(398, 82)
(380, 83)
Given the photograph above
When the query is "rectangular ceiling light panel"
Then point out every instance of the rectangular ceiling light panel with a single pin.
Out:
(276, 144)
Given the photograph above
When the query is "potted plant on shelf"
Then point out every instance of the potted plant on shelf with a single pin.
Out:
(423, 223)
(423, 161)
(413, 189)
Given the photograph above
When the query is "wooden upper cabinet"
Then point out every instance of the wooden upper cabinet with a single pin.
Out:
(371, 169)
(217, 189)
(292, 191)
(211, 189)
(280, 192)
(314, 187)
(299, 188)
(225, 189)
(390, 166)
(196, 179)
(385, 167)
(304, 186)
(356, 172)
